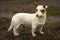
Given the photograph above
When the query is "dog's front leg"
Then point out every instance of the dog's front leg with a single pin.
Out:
(40, 30)
(33, 29)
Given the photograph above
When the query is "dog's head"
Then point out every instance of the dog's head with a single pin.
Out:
(40, 9)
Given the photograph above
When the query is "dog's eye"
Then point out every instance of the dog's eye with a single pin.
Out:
(42, 11)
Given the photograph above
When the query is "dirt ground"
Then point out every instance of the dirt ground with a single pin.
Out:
(51, 29)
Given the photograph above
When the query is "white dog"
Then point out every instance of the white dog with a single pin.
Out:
(38, 18)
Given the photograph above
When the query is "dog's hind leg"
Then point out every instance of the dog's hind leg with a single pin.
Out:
(15, 30)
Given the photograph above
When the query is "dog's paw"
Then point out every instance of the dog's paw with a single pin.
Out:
(34, 35)
(16, 34)
(41, 32)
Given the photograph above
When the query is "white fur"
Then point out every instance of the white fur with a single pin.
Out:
(32, 19)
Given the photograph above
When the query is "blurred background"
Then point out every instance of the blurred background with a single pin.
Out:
(10, 7)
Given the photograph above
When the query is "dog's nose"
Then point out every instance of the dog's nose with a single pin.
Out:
(37, 15)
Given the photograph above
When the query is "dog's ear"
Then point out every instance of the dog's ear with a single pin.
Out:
(45, 6)
(35, 4)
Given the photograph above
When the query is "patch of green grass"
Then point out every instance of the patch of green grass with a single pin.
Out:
(53, 12)
(4, 18)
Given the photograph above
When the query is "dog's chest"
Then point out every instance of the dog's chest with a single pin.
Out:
(40, 20)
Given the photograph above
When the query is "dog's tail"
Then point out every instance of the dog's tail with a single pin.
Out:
(10, 27)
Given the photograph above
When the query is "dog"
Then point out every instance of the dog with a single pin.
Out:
(38, 18)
